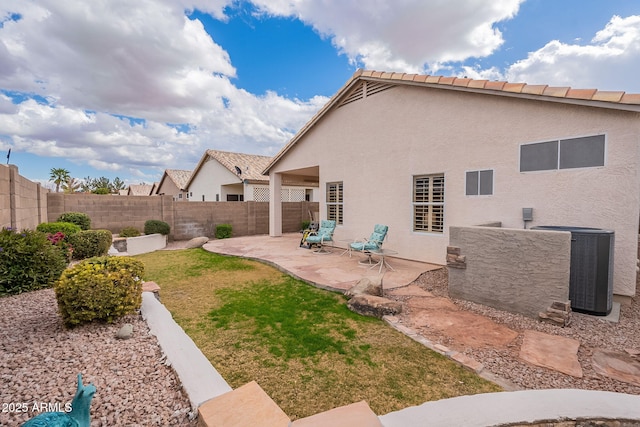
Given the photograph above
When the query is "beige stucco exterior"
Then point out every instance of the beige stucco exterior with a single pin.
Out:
(376, 145)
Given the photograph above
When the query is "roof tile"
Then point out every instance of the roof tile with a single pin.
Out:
(558, 92)
(630, 98)
(494, 85)
(377, 74)
(433, 79)
(421, 78)
(386, 75)
(364, 73)
(580, 93)
(477, 84)
(462, 82)
(397, 76)
(534, 89)
(409, 77)
(513, 87)
(446, 80)
(608, 96)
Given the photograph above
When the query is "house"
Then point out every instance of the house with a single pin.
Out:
(174, 183)
(422, 153)
(226, 176)
(140, 190)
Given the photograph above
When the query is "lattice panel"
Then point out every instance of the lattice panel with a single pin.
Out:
(260, 194)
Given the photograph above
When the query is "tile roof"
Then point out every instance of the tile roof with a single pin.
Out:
(140, 189)
(179, 177)
(590, 97)
(251, 165)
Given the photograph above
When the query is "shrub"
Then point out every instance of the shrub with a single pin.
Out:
(223, 231)
(28, 261)
(154, 226)
(103, 289)
(90, 243)
(305, 224)
(129, 232)
(78, 218)
(66, 228)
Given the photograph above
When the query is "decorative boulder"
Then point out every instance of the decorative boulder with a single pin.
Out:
(125, 332)
(366, 285)
(374, 306)
(196, 242)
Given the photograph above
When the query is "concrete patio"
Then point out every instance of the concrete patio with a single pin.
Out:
(334, 271)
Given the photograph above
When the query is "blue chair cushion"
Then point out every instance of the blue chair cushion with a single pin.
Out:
(325, 232)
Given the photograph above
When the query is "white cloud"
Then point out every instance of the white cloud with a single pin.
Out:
(406, 35)
(609, 62)
(102, 62)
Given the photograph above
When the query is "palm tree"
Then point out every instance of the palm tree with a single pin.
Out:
(71, 185)
(58, 176)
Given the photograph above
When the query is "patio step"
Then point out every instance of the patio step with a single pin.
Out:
(245, 406)
(357, 414)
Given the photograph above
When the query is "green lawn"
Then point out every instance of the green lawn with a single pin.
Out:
(301, 344)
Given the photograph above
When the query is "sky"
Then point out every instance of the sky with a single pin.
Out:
(115, 88)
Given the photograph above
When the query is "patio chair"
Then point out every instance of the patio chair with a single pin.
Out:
(373, 243)
(323, 235)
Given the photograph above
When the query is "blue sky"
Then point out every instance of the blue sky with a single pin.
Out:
(128, 89)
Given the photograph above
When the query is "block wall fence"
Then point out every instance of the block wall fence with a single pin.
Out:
(23, 203)
(187, 219)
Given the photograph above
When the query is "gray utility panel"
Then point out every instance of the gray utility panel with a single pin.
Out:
(591, 276)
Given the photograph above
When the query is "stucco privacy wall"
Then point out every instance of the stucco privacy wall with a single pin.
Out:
(22, 202)
(187, 220)
(376, 145)
(521, 271)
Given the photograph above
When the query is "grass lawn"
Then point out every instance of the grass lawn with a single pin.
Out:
(301, 344)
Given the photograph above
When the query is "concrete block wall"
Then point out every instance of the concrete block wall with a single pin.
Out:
(516, 270)
(22, 202)
(187, 220)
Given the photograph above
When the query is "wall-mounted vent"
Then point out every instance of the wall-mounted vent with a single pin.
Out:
(355, 95)
(364, 90)
(373, 88)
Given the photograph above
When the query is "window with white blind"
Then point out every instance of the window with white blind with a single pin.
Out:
(335, 201)
(428, 203)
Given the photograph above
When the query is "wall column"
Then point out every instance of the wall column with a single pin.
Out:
(275, 204)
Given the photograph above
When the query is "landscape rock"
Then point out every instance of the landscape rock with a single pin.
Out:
(196, 242)
(120, 244)
(374, 306)
(366, 285)
(125, 332)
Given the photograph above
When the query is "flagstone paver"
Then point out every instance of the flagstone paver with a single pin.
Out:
(617, 365)
(551, 351)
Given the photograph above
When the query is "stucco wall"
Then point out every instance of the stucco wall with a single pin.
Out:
(521, 271)
(22, 202)
(376, 146)
(209, 181)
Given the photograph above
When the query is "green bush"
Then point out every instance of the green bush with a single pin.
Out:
(223, 231)
(103, 288)
(154, 226)
(80, 219)
(66, 228)
(28, 261)
(129, 232)
(305, 224)
(90, 243)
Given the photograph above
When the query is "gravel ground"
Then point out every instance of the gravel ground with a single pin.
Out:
(592, 332)
(40, 359)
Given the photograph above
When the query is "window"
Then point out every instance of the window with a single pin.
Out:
(479, 183)
(335, 201)
(584, 152)
(428, 203)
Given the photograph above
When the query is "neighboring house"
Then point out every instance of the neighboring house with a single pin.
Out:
(422, 153)
(140, 190)
(223, 176)
(174, 183)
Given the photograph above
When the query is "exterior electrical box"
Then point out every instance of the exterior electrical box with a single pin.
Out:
(591, 275)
